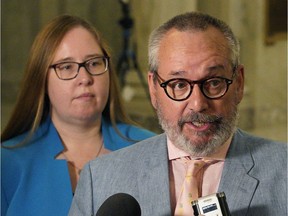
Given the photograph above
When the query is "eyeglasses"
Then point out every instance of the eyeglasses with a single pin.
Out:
(180, 89)
(69, 70)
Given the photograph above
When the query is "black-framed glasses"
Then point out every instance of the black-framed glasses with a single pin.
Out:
(180, 89)
(69, 70)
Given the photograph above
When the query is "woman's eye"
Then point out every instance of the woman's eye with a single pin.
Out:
(65, 66)
(94, 63)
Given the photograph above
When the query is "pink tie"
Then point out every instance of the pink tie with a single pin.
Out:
(191, 188)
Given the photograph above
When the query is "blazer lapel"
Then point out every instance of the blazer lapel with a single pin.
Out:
(236, 182)
(153, 181)
(238, 185)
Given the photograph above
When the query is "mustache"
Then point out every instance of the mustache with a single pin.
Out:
(199, 117)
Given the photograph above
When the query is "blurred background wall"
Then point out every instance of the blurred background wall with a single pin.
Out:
(258, 25)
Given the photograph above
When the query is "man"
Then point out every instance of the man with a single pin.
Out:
(196, 82)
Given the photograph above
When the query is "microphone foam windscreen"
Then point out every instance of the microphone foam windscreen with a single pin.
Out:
(120, 204)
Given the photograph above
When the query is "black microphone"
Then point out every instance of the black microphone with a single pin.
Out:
(120, 204)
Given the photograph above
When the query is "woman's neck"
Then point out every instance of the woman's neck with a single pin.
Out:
(81, 142)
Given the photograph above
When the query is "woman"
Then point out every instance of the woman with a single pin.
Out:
(68, 112)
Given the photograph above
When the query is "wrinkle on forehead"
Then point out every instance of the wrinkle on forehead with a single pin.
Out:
(195, 40)
(200, 46)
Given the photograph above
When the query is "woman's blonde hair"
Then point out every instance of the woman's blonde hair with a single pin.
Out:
(32, 105)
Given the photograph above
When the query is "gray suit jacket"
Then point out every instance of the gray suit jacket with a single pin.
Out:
(254, 178)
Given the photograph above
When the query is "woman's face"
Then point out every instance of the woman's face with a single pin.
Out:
(82, 99)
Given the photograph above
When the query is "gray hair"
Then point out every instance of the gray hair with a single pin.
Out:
(187, 22)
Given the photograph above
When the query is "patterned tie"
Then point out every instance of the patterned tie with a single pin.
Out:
(191, 188)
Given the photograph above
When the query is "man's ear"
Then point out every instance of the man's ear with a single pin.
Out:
(152, 86)
(240, 83)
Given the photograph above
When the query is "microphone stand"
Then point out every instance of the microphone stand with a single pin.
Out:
(123, 65)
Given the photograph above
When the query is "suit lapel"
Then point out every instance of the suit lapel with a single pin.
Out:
(236, 182)
(238, 185)
(153, 182)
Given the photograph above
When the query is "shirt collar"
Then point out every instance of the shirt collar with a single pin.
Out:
(175, 153)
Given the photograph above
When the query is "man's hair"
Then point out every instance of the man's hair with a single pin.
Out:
(191, 21)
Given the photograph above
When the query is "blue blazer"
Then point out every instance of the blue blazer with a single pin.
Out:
(34, 183)
(254, 178)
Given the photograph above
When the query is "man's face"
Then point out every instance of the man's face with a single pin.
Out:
(197, 125)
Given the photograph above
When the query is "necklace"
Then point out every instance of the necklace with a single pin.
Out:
(73, 164)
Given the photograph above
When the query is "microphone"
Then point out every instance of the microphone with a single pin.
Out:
(120, 204)
(213, 205)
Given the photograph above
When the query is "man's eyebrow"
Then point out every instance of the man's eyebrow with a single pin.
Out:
(210, 69)
(216, 67)
(177, 73)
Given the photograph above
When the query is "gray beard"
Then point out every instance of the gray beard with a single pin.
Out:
(223, 128)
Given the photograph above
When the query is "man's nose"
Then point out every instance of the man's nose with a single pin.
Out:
(197, 100)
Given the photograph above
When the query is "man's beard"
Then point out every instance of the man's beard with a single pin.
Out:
(222, 128)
